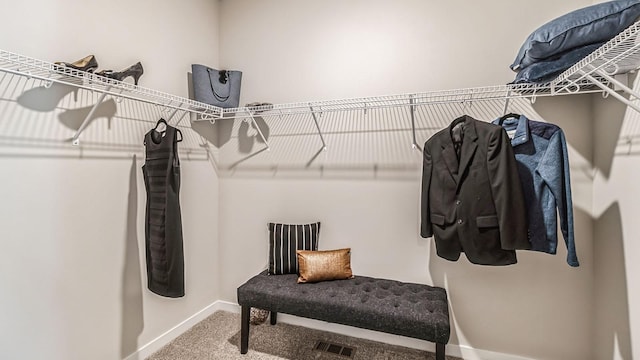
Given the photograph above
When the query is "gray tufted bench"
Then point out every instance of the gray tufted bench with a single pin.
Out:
(412, 310)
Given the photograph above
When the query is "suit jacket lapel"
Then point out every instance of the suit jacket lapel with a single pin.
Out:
(450, 158)
(449, 151)
(469, 146)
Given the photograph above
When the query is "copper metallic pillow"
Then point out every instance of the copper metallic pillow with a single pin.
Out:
(324, 265)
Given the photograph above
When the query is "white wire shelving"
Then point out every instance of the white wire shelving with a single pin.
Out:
(487, 93)
(619, 55)
(595, 73)
(50, 72)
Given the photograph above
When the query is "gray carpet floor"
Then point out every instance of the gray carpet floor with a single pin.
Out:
(218, 337)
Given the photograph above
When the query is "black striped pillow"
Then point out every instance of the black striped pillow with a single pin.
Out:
(284, 240)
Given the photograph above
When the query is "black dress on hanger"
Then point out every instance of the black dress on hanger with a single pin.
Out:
(163, 222)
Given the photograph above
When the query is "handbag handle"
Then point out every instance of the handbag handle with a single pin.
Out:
(223, 77)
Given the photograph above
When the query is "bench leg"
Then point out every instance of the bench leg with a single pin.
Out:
(244, 329)
(274, 317)
(439, 351)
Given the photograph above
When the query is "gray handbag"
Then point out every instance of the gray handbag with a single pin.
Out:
(216, 87)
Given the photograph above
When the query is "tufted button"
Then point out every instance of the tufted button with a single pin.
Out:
(458, 202)
(381, 295)
(460, 221)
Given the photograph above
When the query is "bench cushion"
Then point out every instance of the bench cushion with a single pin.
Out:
(407, 309)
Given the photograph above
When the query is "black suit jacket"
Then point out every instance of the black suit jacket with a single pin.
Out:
(474, 205)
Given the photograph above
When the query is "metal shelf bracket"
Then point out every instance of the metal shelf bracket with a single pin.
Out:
(75, 140)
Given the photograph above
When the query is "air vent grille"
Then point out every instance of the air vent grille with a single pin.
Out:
(333, 348)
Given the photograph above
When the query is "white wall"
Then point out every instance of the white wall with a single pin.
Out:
(295, 51)
(319, 50)
(73, 263)
(615, 209)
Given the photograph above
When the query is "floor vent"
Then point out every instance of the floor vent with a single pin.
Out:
(333, 348)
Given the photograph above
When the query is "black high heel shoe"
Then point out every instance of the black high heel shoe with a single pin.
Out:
(87, 63)
(134, 71)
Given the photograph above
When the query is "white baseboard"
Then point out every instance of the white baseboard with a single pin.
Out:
(162, 340)
(463, 351)
(469, 353)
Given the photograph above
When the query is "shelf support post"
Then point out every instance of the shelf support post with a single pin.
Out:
(173, 113)
(266, 144)
(315, 120)
(324, 145)
(75, 139)
(412, 108)
(613, 92)
(506, 102)
(181, 117)
(253, 121)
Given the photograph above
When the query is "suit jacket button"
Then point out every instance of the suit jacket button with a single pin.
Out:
(459, 221)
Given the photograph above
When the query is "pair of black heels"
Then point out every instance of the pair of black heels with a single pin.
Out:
(90, 64)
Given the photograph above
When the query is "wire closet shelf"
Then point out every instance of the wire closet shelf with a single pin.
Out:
(50, 73)
(595, 73)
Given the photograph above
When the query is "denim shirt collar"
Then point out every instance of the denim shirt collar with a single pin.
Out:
(521, 127)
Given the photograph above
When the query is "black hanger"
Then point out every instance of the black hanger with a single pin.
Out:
(163, 121)
(507, 116)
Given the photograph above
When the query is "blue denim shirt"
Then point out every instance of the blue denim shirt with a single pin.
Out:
(543, 166)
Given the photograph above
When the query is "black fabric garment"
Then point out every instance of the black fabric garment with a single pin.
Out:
(475, 204)
(163, 223)
(457, 133)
